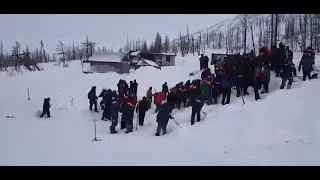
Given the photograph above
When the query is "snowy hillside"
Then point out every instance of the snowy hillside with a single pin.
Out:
(281, 129)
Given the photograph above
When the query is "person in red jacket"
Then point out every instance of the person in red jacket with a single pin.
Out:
(159, 98)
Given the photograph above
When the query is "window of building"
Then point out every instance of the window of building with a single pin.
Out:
(168, 59)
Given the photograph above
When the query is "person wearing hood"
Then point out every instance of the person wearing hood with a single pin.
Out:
(46, 108)
(163, 118)
(115, 108)
(93, 99)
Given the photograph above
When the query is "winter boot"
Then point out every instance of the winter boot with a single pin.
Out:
(288, 86)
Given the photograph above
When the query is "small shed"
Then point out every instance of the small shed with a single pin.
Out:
(162, 59)
(103, 62)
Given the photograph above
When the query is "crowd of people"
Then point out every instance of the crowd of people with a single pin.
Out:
(236, 71)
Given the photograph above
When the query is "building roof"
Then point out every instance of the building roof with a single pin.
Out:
(147, 62)
(136, 53)
(166, 54)
(107, 57)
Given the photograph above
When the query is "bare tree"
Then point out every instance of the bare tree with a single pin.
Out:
(61, 50)
(166, 44)
(1, 56)
(89, 48)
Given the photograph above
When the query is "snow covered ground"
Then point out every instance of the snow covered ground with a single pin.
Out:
(281, 129)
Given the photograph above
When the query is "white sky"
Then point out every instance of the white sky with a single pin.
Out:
(108, 30)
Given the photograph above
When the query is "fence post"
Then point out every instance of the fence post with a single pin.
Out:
(28, 94)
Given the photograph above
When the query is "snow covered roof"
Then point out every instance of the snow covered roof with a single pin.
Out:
(148, 62)
(166, 54)
(107, 57)
(136, 53)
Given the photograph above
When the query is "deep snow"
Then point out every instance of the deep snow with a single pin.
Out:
(281, 129)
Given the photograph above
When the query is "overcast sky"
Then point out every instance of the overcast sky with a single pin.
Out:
(108, 30)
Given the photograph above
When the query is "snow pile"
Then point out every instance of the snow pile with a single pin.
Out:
(281, 129)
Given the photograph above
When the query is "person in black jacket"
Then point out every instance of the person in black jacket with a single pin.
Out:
(165, 88)
(115, 108)
(107, 99)
(196, 109)
(265, 77)
(205, 73)
(307, 65)
(206, 62)
(135, 87)
(163, 118)
(127, 109)
(286, 75)
(46, 108)
(141, 109)
(103, 92)
(171, 98)
(131, 87)
(202, 60)
(225, 87)
(93, 99)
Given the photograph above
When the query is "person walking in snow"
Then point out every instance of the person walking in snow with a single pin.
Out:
(206, 62)
(93, 99)
(46, 108)
(196, 108)
(307, 65)
(201, 61)
(257, 82)
(149, 97)
(135, 87)
(115, 108)
(265, 77)
(163, 118)
(286, 75)
(141, 110)
(225, 87)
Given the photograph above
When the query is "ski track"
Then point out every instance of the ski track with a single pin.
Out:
(279, 129)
